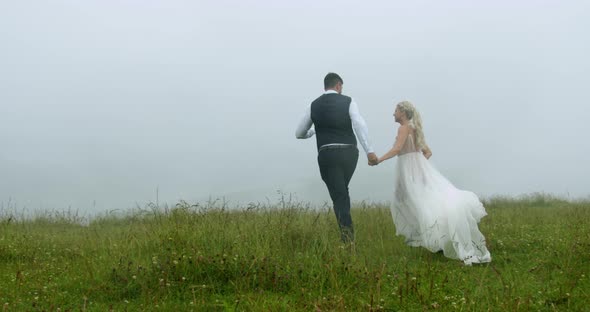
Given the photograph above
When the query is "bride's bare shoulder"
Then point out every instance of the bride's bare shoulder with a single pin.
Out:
(404, 129)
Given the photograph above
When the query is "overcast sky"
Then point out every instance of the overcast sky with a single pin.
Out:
(105, 104)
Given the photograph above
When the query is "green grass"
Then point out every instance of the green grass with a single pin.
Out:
(287, 257)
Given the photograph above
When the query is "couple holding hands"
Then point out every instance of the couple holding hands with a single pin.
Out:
(427, 209)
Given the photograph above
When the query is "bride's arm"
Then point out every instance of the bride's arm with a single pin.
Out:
(402, 135)
(426, 151)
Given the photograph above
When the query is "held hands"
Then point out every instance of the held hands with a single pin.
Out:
(373, 160)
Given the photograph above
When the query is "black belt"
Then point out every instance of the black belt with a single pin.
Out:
(335, 146)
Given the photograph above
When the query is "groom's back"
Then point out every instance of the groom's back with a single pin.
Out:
(331, 118)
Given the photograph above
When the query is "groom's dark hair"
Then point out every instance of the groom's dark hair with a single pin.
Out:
(331, 80)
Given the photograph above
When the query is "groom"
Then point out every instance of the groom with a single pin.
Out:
(335, 116)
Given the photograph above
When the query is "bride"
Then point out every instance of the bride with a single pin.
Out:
(428, 209)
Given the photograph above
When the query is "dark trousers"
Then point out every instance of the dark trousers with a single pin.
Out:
(337, 167)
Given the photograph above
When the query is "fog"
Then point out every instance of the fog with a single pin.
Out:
(111, 104)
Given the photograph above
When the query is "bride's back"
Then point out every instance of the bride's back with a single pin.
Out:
(410, 144)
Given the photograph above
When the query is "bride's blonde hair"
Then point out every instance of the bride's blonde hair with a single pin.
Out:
(415, 120)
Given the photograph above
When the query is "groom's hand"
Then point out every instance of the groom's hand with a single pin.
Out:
(373, 160)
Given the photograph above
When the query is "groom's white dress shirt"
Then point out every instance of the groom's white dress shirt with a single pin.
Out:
(304, 130)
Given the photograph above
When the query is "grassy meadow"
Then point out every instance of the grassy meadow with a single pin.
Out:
(287, 257)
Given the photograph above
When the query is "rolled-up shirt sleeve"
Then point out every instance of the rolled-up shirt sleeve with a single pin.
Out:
(360, 127)
(304, 129)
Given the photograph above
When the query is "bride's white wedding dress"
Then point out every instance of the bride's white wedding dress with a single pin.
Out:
(431, 212)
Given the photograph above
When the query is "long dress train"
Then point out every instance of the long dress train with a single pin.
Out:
(431, 212)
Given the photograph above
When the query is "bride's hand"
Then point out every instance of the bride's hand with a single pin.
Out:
(373, 160)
